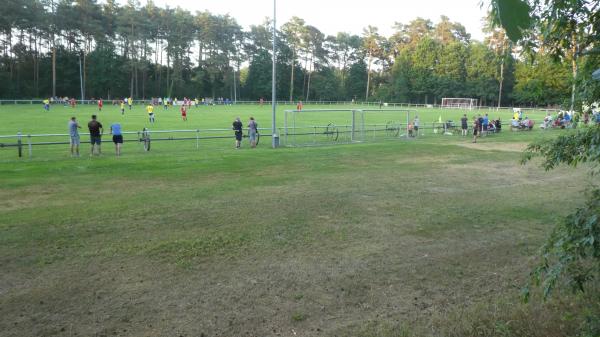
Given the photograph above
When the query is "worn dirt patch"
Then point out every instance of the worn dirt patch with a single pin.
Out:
(507, 147)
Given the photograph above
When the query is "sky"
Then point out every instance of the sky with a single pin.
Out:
(332, 16)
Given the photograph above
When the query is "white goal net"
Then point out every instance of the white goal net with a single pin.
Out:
(459, 103)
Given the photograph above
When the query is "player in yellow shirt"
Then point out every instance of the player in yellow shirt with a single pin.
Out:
(130, 102)
(47, 104)
(122, 107)
(150, 109)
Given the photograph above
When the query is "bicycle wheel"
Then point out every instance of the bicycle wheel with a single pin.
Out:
(392, 129)
(331, 132)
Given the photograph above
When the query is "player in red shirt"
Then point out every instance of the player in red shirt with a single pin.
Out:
(100, 104)
(183, 113)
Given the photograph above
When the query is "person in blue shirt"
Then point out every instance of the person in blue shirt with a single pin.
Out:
(117, 136)
(567, 119)
(485, 123)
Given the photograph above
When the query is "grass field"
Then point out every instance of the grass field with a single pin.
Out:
(385, 238)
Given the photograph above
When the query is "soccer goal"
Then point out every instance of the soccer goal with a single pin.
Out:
(459, 103)
(322, 126)
(342, 126)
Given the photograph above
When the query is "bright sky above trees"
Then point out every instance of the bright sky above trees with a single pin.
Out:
(332, 16)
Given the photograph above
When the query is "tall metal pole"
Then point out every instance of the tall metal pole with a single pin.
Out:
(275, 138)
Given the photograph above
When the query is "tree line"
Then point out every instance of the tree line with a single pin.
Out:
(149, 51)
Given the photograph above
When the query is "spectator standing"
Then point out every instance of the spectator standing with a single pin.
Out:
(96, 131)
(117, 137)
(252, 132)
(237, 127)
(464, 125)
(476, 126)
(74, 134)
(416, 125)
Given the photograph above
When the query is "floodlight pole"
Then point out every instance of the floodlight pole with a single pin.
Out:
(275, 138)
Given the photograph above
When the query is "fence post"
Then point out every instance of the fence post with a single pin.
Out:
(29, 145)
(20, 144)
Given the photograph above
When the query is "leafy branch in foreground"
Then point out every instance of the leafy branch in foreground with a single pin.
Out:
(572, 252)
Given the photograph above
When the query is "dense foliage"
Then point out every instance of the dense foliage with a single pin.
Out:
(148, 51)
(572, 253)
(570, 31)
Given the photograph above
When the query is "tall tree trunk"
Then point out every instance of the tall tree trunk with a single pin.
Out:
(309, 75)
(168, 75)
(573, 66)
(53, 69)
(84, 77)
(501, 78)
(292, 77)
(368, 77)
(304, 76)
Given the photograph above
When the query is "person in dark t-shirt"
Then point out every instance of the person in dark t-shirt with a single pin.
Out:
(96, 131)
(237, 128)
(464, 124)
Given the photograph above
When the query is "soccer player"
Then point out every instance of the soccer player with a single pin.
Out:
(72, 102)
(262, 101)
(47, 104)
(130, 102)
(96, 132)
(166, 103)
(74, 133)
(115, 130)
(237, 127)
(122, 107)
(100, 104)
(183, 113)
(150, 110)
(252, 131)
(299, 106)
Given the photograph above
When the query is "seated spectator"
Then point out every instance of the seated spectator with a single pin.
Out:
(498, 124)
(530, 124)
(514, 123)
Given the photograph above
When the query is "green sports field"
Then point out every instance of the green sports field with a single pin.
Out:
(433, 236)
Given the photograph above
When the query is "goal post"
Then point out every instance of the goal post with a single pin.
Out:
(459, 103)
